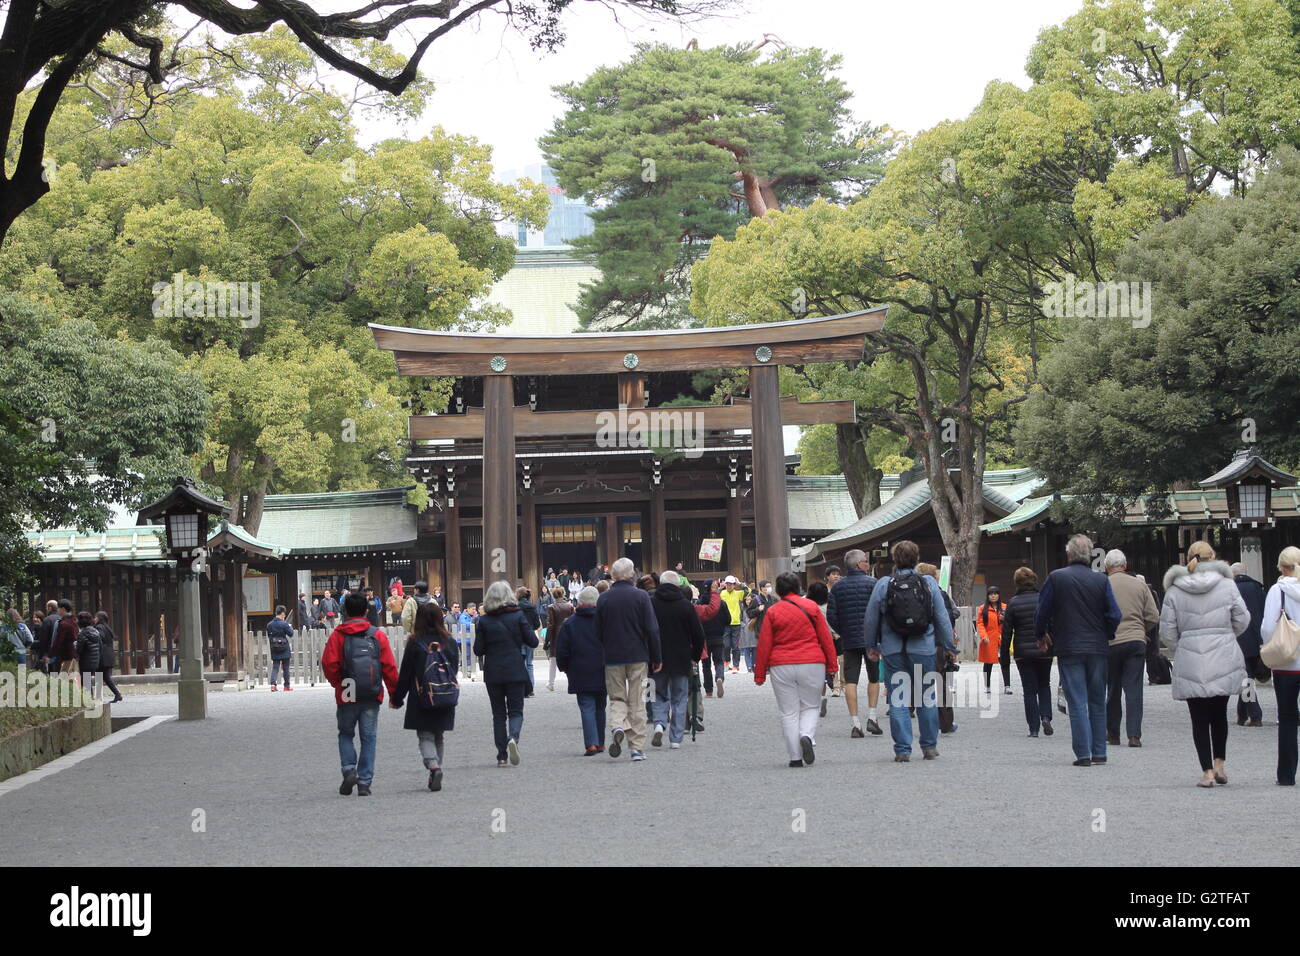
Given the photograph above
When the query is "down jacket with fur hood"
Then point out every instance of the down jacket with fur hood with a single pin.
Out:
(1202, 615)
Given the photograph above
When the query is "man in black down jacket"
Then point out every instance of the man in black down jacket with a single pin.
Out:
(629, 633)
(681, 638)
(1252, 592)
(846, 612)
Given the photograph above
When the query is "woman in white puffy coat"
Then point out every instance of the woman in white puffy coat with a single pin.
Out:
(1285, 596)
(1202, 615)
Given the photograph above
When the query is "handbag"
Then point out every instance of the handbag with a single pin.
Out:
(1284, 645)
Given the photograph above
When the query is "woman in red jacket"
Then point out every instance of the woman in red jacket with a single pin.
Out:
(796, 644)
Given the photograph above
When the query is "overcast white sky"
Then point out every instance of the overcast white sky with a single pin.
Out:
(910, 64)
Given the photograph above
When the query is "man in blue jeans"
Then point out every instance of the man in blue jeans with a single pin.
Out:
(358, 699)
(1078, 613)
(910, 676)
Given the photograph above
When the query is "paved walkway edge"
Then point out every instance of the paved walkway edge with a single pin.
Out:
(80, 754)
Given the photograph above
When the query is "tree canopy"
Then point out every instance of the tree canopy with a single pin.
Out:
(677, 146)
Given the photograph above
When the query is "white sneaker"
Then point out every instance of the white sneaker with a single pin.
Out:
(658, 739)
(674, 746)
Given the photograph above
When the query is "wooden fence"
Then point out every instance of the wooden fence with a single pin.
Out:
(309, 643)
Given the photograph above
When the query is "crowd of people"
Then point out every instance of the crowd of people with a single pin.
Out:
(77, 645)
(642, 652)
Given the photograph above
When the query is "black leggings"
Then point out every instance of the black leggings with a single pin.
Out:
(1209, 728)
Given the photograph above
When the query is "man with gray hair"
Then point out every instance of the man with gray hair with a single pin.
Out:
(846, 610)
(1127, 649)
(629, 633)
(1077, 616)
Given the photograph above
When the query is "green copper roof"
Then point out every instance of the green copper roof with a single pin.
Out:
(339, 521)
(1029, 509)
(819, 503)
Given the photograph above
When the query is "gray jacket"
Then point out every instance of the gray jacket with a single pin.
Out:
(1202, 615)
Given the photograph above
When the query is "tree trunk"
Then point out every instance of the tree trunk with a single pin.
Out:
(863, 481)
(256, 503)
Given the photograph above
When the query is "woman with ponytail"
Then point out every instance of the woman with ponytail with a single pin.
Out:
(1202, 616)
(1284, 596)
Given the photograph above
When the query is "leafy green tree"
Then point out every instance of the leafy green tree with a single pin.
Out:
(293, 238)
(1124, 411)
(86, 421)
(48, 45)
(677, 146)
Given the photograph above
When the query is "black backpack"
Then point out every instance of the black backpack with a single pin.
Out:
(907, 604)
(361, 666)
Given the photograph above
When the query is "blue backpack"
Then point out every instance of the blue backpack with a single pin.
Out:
(436, 688)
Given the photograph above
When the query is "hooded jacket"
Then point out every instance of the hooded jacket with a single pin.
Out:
(578, 652)
(411, 608)
(1288, 589)
(1201, 618)
(681, 635)
(331, 659)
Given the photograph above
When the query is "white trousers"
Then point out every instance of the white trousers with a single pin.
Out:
(798, 689)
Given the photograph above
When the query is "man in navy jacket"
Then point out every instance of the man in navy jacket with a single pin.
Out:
(629, 633)
(846, 610)
(1077, 610)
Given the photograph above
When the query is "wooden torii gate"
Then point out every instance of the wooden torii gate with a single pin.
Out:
(498, 358)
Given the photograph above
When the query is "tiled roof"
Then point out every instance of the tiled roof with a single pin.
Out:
(898, 511)
(1245, 462)
(1029, 510)
(339, 521)
(818, 503)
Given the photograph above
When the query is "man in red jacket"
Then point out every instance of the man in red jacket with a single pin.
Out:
(358, 663)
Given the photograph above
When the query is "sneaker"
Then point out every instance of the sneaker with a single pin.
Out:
(1047, 728)
(503, 763)
(363, 790)
(674, 746)
(600, 748)
(349, 781)
(512, 748)
(806, 748)
(616, 745)
(1254, 723)
(953, 730)
(1241, 721)
(1112, 739)
(637, 755)
(1097, 760)
(550, 687)
(709, 695)
(823, 707)
(930, 754)
(590, 750)
(274, 688)
(719, 685)
(856, 732)
(902, 758)
(1135, 741)
(1008, 691)
(658, 739)
(435, 779)
(1084, 762)
(874, 728)
(287, 687)
(1033, 736)
(796, 763)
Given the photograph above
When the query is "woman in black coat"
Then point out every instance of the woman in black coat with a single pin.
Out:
(107, 654)
(428, 636)
(88, 644)
(1033, 663)
(501, 636)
